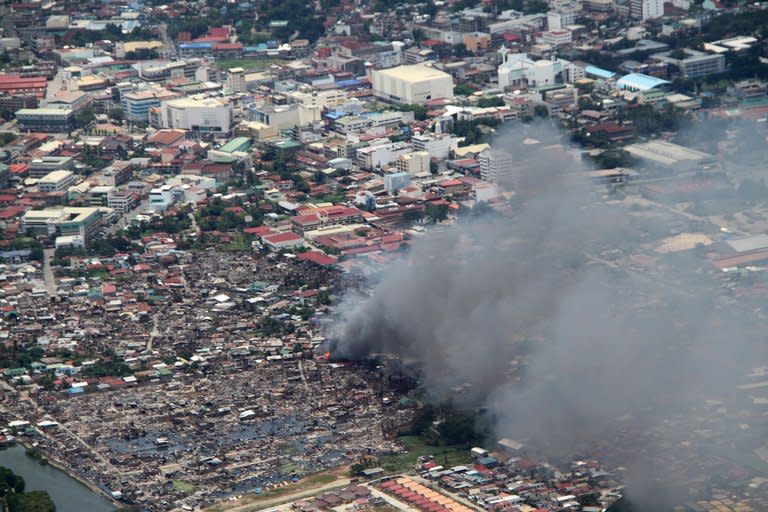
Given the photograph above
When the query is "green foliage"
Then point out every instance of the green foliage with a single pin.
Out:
(613, 158)
(540, 111)
(107, 369)
(28, 243)
(460, 51)
(36, 454)
(10, 482)
(117, 114)
(142, 54)
(108, 246)
(649, 121)
(33, 501)
(84, 117)
(471, 130)
(7, 137)
(436, 213)
(419, 111)
(413, 215)
(16, 356)
(457, 428)
(492, 101)
(464, 90)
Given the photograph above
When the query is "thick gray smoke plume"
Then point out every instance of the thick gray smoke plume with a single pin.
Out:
(540, 317)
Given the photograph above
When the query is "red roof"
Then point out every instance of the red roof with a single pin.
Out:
(318, 258)
(167, 137)
(228, 46)
(11, 212)
(218, 32)
(450, 183)
(258, 231)
(287, 236)
(308, 216)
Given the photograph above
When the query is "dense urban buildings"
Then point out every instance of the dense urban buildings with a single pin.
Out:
(386, 256)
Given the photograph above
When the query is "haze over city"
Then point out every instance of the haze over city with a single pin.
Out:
(356, 255)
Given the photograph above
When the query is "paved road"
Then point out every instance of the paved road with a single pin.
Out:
(50, 279)
(126, 217)
(285, 498)
(168, 45)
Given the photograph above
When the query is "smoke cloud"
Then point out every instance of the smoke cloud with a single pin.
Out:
(565, 323)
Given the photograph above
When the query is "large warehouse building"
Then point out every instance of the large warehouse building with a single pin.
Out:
(197, 115)
(413, 84)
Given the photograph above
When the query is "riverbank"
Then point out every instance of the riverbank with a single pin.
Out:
(60, 466)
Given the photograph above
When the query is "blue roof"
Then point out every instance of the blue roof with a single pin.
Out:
(599, 72)
(196, 45)
(639, 81)
(348, 83)
(335, 115)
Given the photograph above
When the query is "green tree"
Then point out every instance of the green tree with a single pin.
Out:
(33, 501)
(117, 114)
(457, 428)
(541, 111)
(463, 90)
(84, 117)
(437, 213)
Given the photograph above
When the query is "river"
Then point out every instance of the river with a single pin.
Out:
(68, 494)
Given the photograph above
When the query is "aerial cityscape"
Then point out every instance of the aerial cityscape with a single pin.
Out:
(386, 256)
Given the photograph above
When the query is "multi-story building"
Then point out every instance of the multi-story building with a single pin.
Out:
(56, 181)
(236, 79)
(371, 157)
(162, 197)
(12, 84)
(396, 180)
(438, 146)
(694, 64)
(560, 37)
(598, 5)
(646, 9)
(117, 173)
(83, 222)
(413, 84)
(39, 167)
(136, 104)
(415, 162)
(199, 116)
(519, 70)
(494, 165)
(325, 217)
(46, 119)
(121, 200)
(12, 103)
(154, 71)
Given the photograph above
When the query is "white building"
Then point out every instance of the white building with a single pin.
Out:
(560, 37)
(236, 79)
(519, 70)
(161, 198)
(494, 164)
(319, 99)
(414, 84)
(561, 17)
(646, 9)
(206, 115)
(56, 181)
(438, 146)
(121, 200)
(416, 162)
(396, 180)
(371, 157)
